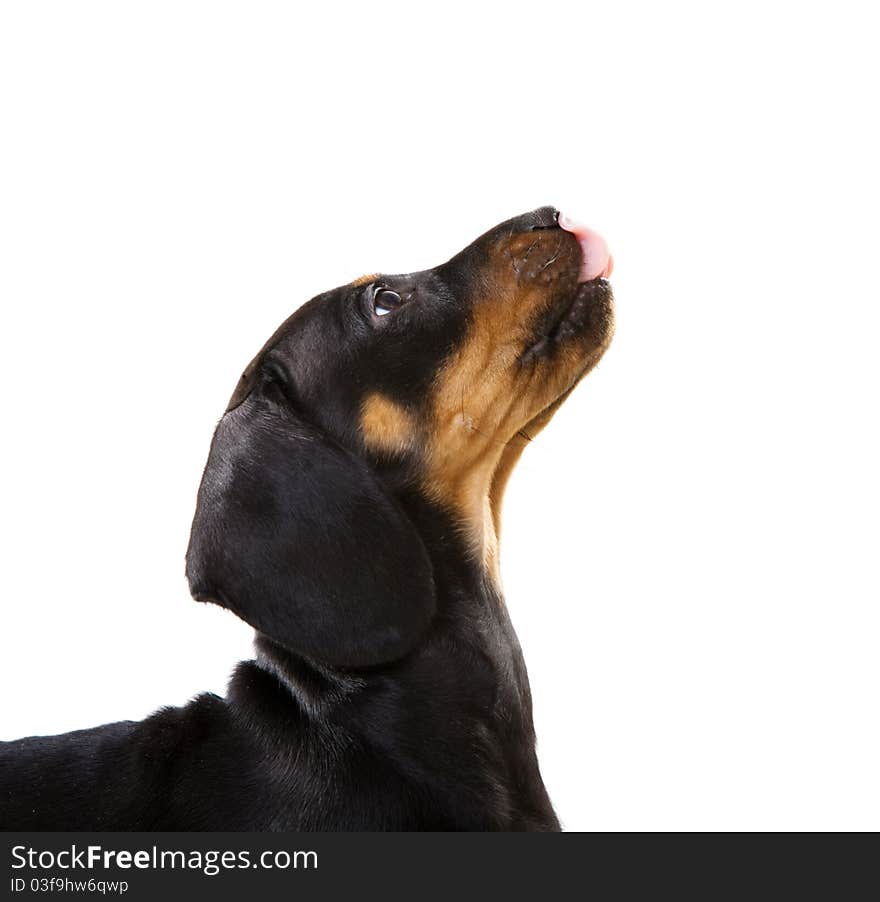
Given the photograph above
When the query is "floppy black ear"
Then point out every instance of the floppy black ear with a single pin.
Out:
(296, 535)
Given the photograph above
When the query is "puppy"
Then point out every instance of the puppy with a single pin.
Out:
(349, 511)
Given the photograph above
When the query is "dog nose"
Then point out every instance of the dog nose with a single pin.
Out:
(542, 218)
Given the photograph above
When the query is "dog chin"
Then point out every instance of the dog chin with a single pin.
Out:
(585, 316)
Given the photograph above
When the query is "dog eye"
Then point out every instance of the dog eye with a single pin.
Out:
(385, 301)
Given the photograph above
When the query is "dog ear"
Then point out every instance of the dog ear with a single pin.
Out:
(297, 536)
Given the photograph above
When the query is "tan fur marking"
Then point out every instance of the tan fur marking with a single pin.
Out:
(364, 280)
(385, 425)
(472, 402)
(484, 398)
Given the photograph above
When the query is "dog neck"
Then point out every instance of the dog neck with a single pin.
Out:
(458, 513)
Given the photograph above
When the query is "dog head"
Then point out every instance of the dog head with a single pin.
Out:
(423, 385)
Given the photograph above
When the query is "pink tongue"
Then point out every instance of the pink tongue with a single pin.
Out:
(597, 260)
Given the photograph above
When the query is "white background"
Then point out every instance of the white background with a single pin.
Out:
(690, 550)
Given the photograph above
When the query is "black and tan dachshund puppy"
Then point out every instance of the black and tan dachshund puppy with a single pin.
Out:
(349, 512)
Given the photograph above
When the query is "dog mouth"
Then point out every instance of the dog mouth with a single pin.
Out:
(587, 318)
(585, 310)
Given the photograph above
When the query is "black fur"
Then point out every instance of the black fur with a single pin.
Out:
(388, 690)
